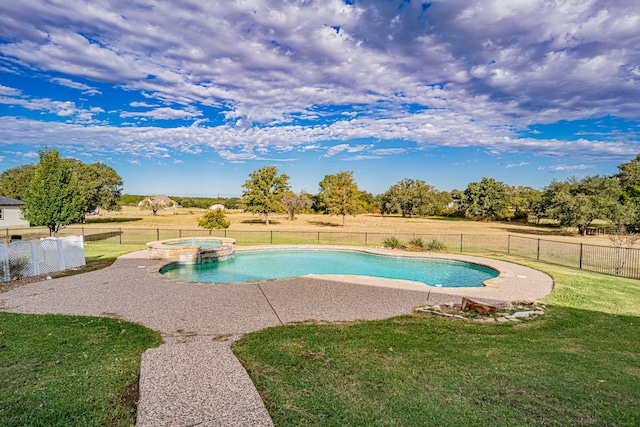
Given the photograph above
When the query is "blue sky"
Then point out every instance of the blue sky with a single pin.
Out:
(188, 97)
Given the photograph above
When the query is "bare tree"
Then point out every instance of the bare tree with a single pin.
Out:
(622, 242)
(295, 202)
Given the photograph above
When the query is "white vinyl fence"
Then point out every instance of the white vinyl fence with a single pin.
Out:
(20, 258)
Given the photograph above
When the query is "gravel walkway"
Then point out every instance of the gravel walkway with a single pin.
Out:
(194, 379)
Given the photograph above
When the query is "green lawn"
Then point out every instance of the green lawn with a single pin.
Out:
(70, 371)
(578, 365)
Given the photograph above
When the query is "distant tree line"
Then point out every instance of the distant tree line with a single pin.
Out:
(75, 188)
(571, 203)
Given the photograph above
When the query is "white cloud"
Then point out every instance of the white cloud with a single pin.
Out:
(516, 165)
(31, 155)
(164, 113)
(76, 85)
(457, 74)
(9, 91)
(142, 104)
(568, 168)
(336, 149)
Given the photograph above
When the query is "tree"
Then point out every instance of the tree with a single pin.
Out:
(576, 203)
(294, 202)
(524, 200)
(264, 191)
(340, 194)
(487, 199)
(54, 199)
(151, 204)
(213, 220)
(629, 177)
(100, 185)
(413, 197)
(15, 182)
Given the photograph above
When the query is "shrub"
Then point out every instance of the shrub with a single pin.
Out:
(18, 268)
(436, 245)
(392, 242)
(417, 242)
(213, 219)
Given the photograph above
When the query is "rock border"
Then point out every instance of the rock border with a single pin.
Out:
(508, 312)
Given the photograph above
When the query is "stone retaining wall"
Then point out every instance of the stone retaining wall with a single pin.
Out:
(191, 254)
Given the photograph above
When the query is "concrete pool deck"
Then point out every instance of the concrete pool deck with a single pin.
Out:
(194, 378)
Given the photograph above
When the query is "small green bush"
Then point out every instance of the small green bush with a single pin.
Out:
(417, 242)
(213, 220)
(392, 242)
(436, 245)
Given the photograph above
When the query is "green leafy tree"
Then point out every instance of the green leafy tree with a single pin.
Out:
(577, 203)
(131, 199)
(295, 202)
(340, 194)
(413, 197)
(524, 201)
(100, 185)
(487, 199)
(15, 182)
(54, 198)
(264, 190)
(213, 220)
(233, 203)
(629, 177)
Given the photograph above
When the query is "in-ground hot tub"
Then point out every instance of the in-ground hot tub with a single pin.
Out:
(192, 250)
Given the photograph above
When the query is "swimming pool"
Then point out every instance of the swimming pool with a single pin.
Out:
(274, 264)
(204, 244)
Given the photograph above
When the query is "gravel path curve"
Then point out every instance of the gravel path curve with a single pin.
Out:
(193, 379)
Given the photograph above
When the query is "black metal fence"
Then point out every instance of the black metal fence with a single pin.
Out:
(624, 262)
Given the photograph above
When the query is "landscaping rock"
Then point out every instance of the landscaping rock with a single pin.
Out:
(521, 314)
(479, 307)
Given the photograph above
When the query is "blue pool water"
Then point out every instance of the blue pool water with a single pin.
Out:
(274, 264)
(204, 244)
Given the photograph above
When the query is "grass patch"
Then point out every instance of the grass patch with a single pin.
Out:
(578, 365)
(67, 370)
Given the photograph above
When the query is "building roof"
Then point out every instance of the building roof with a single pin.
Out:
(8, 201)
(160, 200)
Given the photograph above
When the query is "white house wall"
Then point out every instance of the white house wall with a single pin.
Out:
(11, 217)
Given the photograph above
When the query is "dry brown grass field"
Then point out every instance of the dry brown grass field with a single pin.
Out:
(186, 219)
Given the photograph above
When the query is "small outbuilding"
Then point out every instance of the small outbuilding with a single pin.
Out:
(217, 206)
(10, 215)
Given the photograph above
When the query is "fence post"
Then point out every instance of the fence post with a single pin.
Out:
(61, 260)
(180, 233)
(508, 243)
(120, 234)
(366, 239)
(83, 232)
(35, 262)
(461, 242)
(225, 232)
(580, 256)
(157, 234)
(318, 237)
(538, 258)
(4, 259)
(271, 237)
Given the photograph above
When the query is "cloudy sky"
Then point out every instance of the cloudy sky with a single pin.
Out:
(187, 97)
